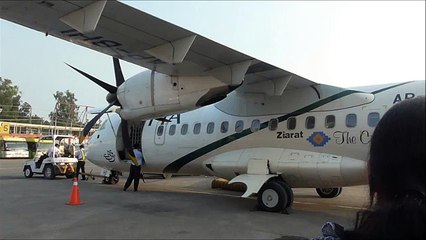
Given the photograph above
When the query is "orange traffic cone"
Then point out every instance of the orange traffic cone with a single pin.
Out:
(75, 195)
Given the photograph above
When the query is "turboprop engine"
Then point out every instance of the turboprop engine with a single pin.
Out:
(149, 94)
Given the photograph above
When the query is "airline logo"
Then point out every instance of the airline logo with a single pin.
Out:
(109, 156)
(318, 139)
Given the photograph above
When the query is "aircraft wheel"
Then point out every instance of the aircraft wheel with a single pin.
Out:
(272, 197)
(340, 191)
(28, 172)
(289, 192)
(113, 178)
(49, 172)
(329, 192)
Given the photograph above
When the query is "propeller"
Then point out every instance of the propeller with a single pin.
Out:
(112, 100)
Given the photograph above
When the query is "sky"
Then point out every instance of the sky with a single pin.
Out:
(341, 43)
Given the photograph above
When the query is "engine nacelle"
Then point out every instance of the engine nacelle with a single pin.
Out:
(151, 94)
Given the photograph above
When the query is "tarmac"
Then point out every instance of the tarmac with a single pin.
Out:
(184, 207)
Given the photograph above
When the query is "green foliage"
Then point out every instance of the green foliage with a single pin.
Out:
(11, 108)
(10, 99)
(66, 112)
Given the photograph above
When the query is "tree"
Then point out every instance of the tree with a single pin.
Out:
(66, 112)
(11, 108)
(10, 99)
(25, 110)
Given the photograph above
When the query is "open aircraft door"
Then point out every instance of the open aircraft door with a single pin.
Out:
(160, 133)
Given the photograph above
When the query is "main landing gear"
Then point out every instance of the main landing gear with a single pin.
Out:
(329, 192)
(275, 196)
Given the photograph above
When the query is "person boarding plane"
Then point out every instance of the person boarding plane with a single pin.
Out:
(204, 108)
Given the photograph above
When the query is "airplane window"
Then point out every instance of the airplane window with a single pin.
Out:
(273, 124)
(172, 130)
(373, 119)
(224, 127)
(160, 130)
(351, 120)
(239, 126)
(330, 121)
(197, 128)
(210, 127)
(291, 123)
(310, 122)
(255, 125)
(184, 129)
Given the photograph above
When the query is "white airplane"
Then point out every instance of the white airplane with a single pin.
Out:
(218, 111)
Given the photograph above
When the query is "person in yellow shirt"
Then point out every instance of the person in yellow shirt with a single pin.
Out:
(81, 157)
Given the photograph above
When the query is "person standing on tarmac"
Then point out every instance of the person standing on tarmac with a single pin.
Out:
(135, 171)
(81, 157)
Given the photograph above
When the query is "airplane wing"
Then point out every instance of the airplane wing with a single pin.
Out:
(119, 30)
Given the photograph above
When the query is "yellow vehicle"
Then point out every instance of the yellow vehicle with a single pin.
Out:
(13, 147)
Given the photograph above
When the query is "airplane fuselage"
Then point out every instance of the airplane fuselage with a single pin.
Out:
(318, 139)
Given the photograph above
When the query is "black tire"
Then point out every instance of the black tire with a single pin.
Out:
(272, 197)
(289, 191)
(328, 192)
(340, 191)
(110, 180)
(69, 175)
(49, 172)
(28, 172)
(114, 177)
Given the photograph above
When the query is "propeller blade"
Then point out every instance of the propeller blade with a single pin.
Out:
(104, 85)
(92, 122)
(119, 78)
(126, 141)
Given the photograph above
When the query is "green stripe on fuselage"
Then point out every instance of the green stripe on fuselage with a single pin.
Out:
(179, 163)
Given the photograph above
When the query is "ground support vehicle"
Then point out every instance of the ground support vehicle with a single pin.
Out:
(52, 166)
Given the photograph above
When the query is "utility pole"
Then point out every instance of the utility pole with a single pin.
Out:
(31, 113)
(84, 118)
